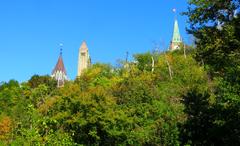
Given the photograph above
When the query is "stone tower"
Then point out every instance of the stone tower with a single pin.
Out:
(84, 60)
(176, 38)
(59, 72)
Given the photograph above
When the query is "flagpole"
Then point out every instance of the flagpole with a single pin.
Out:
(175, 13)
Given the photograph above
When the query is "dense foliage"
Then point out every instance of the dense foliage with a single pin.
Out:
(130, 105)
(168, 98)
(215, 118)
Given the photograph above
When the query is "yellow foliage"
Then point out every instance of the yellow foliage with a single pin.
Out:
(5, 127)
(48, 104)
(169, 58)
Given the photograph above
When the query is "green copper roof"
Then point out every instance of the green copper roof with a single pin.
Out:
(176, 34)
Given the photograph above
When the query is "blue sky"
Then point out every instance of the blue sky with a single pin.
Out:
(31, 31)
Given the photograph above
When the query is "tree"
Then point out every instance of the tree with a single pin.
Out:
(5, 128)
(195, 130)
(37, 80)
(9, 93)
(105, 106)
(144, 61)
(215, 25)
(217, 48)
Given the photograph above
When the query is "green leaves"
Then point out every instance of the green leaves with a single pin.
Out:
(218, 48)
(208, 13)
(106, 105)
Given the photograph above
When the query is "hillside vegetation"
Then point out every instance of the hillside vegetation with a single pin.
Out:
(191, 99)
(131, 105)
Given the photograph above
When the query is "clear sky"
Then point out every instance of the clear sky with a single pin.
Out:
(31, 31)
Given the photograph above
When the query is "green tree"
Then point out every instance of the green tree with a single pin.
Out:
(9, 93)
(37, 80)
(216, 30)
(144, 61)
(215, 25)
(195, 130)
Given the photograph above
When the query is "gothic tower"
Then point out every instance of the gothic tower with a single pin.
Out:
(176, 38)
(84, 60)
(59, 72)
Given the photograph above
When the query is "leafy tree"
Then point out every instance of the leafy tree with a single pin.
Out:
(144, 61)
(215, 25)
(10, 84)
(106, 105)
(196, 129)
(218, 48)
(37, 80)
(9, 93)
(39, 95)
(5, 128)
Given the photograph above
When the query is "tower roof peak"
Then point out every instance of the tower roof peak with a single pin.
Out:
(176, 34)
(59, 72)
(59, 66)
(176, 37)
(83, 46)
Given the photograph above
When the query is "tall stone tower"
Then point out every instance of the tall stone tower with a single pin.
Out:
(176, 38)
(84, 60)
(59, 72)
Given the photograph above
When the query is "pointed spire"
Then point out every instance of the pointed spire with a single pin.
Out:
(59, 66)
(176, 37)
(176, 34)
(59, 72)
(84, 60)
